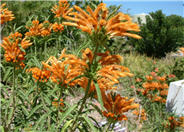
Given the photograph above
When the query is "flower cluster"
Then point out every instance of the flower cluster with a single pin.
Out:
(95, 21)
(62, 9)
(116, 106)
(5, 14)
(155, 88)
(39, 29)
(39, 75)
(173, 122)
(57, 27)
(56, 103)
(12, 46)
(140, 113)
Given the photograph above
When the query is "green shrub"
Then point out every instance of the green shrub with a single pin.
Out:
(178, 69)
(161, 34)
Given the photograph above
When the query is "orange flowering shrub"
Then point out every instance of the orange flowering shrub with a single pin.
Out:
(155, 88)
(106, 77)
(96, 20)
(62, 9)
(12, 46)
(5, 14)
(173, 122)
(39, 75)
(39, 29)
(116, 106)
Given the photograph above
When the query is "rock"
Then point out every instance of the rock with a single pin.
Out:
(175, 97)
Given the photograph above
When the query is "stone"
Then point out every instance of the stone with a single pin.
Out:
(175, 98)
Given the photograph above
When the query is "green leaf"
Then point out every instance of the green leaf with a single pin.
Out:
(97, 108)
(24, 110)
(66, 125)
(64, 115)
(7, 73)
(90, 123)
(10, 114)
(99, 95)
(2, 67)
(34, 110)
(42, 119)
(1, 129)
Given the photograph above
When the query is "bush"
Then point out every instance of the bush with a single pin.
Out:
(161, 34)
(178, 69)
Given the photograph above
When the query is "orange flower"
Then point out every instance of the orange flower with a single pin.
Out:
(116, 106)
(153, 74)
(36, 29)
(171, 76)
(56, 103)
(173, 122)
(108, 75)
(96, 20)
(62, 9)
(62, 75)
(158, 86)
(149, 78)
(107, 59)
(13, 52)
(5, 14)
(138, 80)
(182, 50)
(57, 27)
(39, 75)
(162, 79)
(141, 113)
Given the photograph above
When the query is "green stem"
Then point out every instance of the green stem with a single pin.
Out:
(13, 101)
(82, 106)
(60, 94)
(87, 90)
(108, 127)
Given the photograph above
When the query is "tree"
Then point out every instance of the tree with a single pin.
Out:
(161, 34)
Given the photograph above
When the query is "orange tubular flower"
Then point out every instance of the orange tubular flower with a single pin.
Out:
(140, 114)
(173, 122)
(39, 75)
(116, 106)
(62, 9)
(57, 27)
(62, 75)
(13, 52)
(5, 14)
(108, 75)
(119, 25)
(36, 29)
(182, 50)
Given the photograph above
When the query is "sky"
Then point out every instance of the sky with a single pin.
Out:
(133, 7)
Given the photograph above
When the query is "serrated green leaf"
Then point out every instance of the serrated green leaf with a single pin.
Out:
(8, 71)
(25, 111)
(10, 114)
(93, 129)
(66, 125)
(96, 108)
(99, 95)
(34, 110)
(64, 115)
(42, 119)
